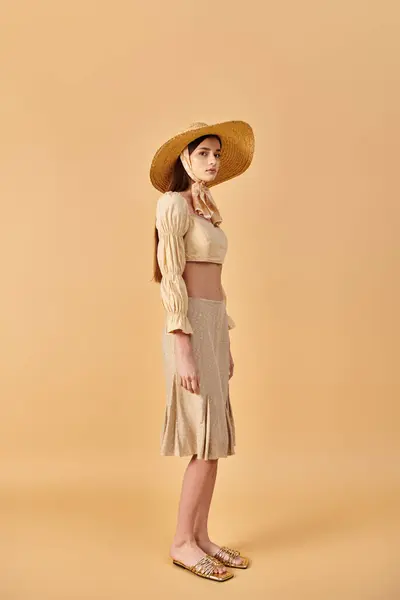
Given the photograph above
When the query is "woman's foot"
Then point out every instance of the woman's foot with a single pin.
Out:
(189, 553)
(210, 548)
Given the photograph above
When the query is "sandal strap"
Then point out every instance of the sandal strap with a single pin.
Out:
(206, 565)
(229, 551)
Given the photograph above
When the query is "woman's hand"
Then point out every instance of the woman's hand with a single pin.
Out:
(185, 363)
(231, 364)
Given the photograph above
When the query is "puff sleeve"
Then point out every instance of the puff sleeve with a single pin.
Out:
(172, 222)
(231, 322)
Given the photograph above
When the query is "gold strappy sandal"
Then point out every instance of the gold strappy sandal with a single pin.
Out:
(205, 568)
(227, 555)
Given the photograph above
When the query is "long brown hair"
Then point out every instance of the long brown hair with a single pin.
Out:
(179, 182)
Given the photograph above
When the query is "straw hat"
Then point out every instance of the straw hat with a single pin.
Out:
(237, 139)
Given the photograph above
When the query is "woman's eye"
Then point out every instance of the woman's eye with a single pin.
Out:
(204, 153)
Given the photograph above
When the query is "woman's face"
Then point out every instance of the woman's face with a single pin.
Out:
(206, 158)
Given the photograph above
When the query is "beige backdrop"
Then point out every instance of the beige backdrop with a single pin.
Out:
(90, 89)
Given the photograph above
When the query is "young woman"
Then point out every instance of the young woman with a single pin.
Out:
(190, 248)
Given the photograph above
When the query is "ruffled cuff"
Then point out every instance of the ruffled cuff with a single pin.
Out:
(178, 321)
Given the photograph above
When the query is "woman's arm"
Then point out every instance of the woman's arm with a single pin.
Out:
(172, 222)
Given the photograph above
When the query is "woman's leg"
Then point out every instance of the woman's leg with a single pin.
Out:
(201, 521)
(194, 486)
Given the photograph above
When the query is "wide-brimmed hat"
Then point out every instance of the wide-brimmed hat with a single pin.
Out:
(237, 139)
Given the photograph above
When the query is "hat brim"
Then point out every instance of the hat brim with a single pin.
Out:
(237, 139)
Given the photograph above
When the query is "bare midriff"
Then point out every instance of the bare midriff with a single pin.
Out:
(203, 280)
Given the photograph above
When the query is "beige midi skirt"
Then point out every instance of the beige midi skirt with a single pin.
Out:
(203, 423)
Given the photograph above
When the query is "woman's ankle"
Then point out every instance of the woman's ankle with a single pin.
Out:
(202, 536)
(180, 541)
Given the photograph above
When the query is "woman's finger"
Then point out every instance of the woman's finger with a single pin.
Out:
(189, 384)
(193, 383)
(196, 385)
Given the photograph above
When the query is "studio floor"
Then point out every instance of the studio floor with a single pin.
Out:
(107, 540)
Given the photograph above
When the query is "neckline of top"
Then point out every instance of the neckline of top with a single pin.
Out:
(193, 214)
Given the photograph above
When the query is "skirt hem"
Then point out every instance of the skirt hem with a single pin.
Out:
(199, 457)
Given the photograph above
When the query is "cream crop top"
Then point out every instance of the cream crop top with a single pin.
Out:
(184, 237)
